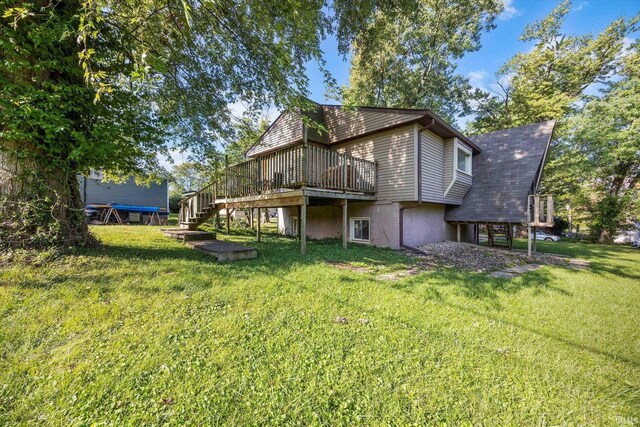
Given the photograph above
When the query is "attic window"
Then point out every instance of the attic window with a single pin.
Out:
(464, 161)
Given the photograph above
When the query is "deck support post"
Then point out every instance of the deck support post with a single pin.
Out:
(228, 219)
(251, 218)
(535, 249)
(345, 221)
(529, 241)
(303, 227)
(458, 231)
(258, 233)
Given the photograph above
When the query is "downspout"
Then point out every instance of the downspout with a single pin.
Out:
(419, 177)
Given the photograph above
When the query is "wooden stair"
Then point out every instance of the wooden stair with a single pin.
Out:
(500, 234)
(206, 243)
(198, 207)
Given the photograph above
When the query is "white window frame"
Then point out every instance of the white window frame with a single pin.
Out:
(295, 225)
(352, 221)
(469, 163)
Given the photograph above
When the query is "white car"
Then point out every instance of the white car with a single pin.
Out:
(635, 244)
(541, 235)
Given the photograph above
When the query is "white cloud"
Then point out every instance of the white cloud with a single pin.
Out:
(580, 6)
(478, 79)
(510, 11)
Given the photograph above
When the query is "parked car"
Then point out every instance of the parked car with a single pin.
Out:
(541, 235)
(635, 244)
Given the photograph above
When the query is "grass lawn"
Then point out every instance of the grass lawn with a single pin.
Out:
(146, 331)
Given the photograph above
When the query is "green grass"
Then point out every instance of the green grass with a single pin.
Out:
(146, 331)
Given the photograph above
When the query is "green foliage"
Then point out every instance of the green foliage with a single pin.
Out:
(560, 225)
(110, 85)
(546, 82)
(597, 165)
(174, 202)
(407, 60)
(146, 331)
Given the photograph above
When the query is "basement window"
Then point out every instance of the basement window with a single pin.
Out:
(360, 230)
(464, 161)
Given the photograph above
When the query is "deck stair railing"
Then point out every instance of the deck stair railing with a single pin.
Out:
(198, 207)
(287, 169)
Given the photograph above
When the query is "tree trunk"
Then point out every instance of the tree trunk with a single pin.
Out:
(266, 219)
(40, 205)
(605, 237)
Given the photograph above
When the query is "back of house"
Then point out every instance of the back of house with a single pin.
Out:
(432, 183)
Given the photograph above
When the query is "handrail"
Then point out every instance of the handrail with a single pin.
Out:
(289, 168)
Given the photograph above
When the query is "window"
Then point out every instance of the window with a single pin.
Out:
(294, 225)
(464, 161)
(360, 229)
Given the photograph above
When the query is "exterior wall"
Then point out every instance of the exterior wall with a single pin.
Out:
(425, 224)
(326, 221)
(285, 130)
(394, 151)
(438, 171)
(128, 193)
(343, 124)
(422, 225)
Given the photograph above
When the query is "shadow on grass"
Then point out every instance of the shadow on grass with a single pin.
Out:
(480, 286)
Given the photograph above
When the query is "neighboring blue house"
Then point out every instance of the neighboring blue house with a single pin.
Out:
(94, 190)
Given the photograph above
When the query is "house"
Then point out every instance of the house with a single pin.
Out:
(95, 190)
(385, 177)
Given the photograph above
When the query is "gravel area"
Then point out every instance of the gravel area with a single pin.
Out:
(465, 256)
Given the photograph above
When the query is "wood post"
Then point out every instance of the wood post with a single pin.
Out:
(258, 234)
(529, 241)
(228, 218)
(534, 240)
(303, 227)
(458, 231)
(345, 225)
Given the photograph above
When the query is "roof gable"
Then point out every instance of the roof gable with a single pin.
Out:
(506, 171)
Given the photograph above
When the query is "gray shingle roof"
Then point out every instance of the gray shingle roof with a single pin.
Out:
(504, 174)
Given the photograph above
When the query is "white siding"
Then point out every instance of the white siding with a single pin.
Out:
(438, 171)
(394, 152)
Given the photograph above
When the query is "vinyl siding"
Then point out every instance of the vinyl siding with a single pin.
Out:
(395, 154)
(127, 193)
(287, 129)
(344, 124)
(437, 171)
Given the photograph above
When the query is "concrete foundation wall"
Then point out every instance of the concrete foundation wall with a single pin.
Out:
(425, 224)
(326, 221)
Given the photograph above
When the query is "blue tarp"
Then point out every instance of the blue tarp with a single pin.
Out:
(132, 208)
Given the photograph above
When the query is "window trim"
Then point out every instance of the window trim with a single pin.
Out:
(294, 220)
(460, 147)
(352, 220)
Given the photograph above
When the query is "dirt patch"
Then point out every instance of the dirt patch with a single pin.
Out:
(350, 267)
(468, 257)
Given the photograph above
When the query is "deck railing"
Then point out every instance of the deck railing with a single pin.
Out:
(298, 166)
(196, 203)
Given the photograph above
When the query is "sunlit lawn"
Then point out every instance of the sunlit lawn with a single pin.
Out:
(146, 331)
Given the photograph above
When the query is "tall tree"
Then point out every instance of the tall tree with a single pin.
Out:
(408, 60)
(597, 169)
(105, 84)
(546, 82)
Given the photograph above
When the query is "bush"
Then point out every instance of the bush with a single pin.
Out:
(174, 202)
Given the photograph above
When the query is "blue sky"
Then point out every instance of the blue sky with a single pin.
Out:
(500, 44)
